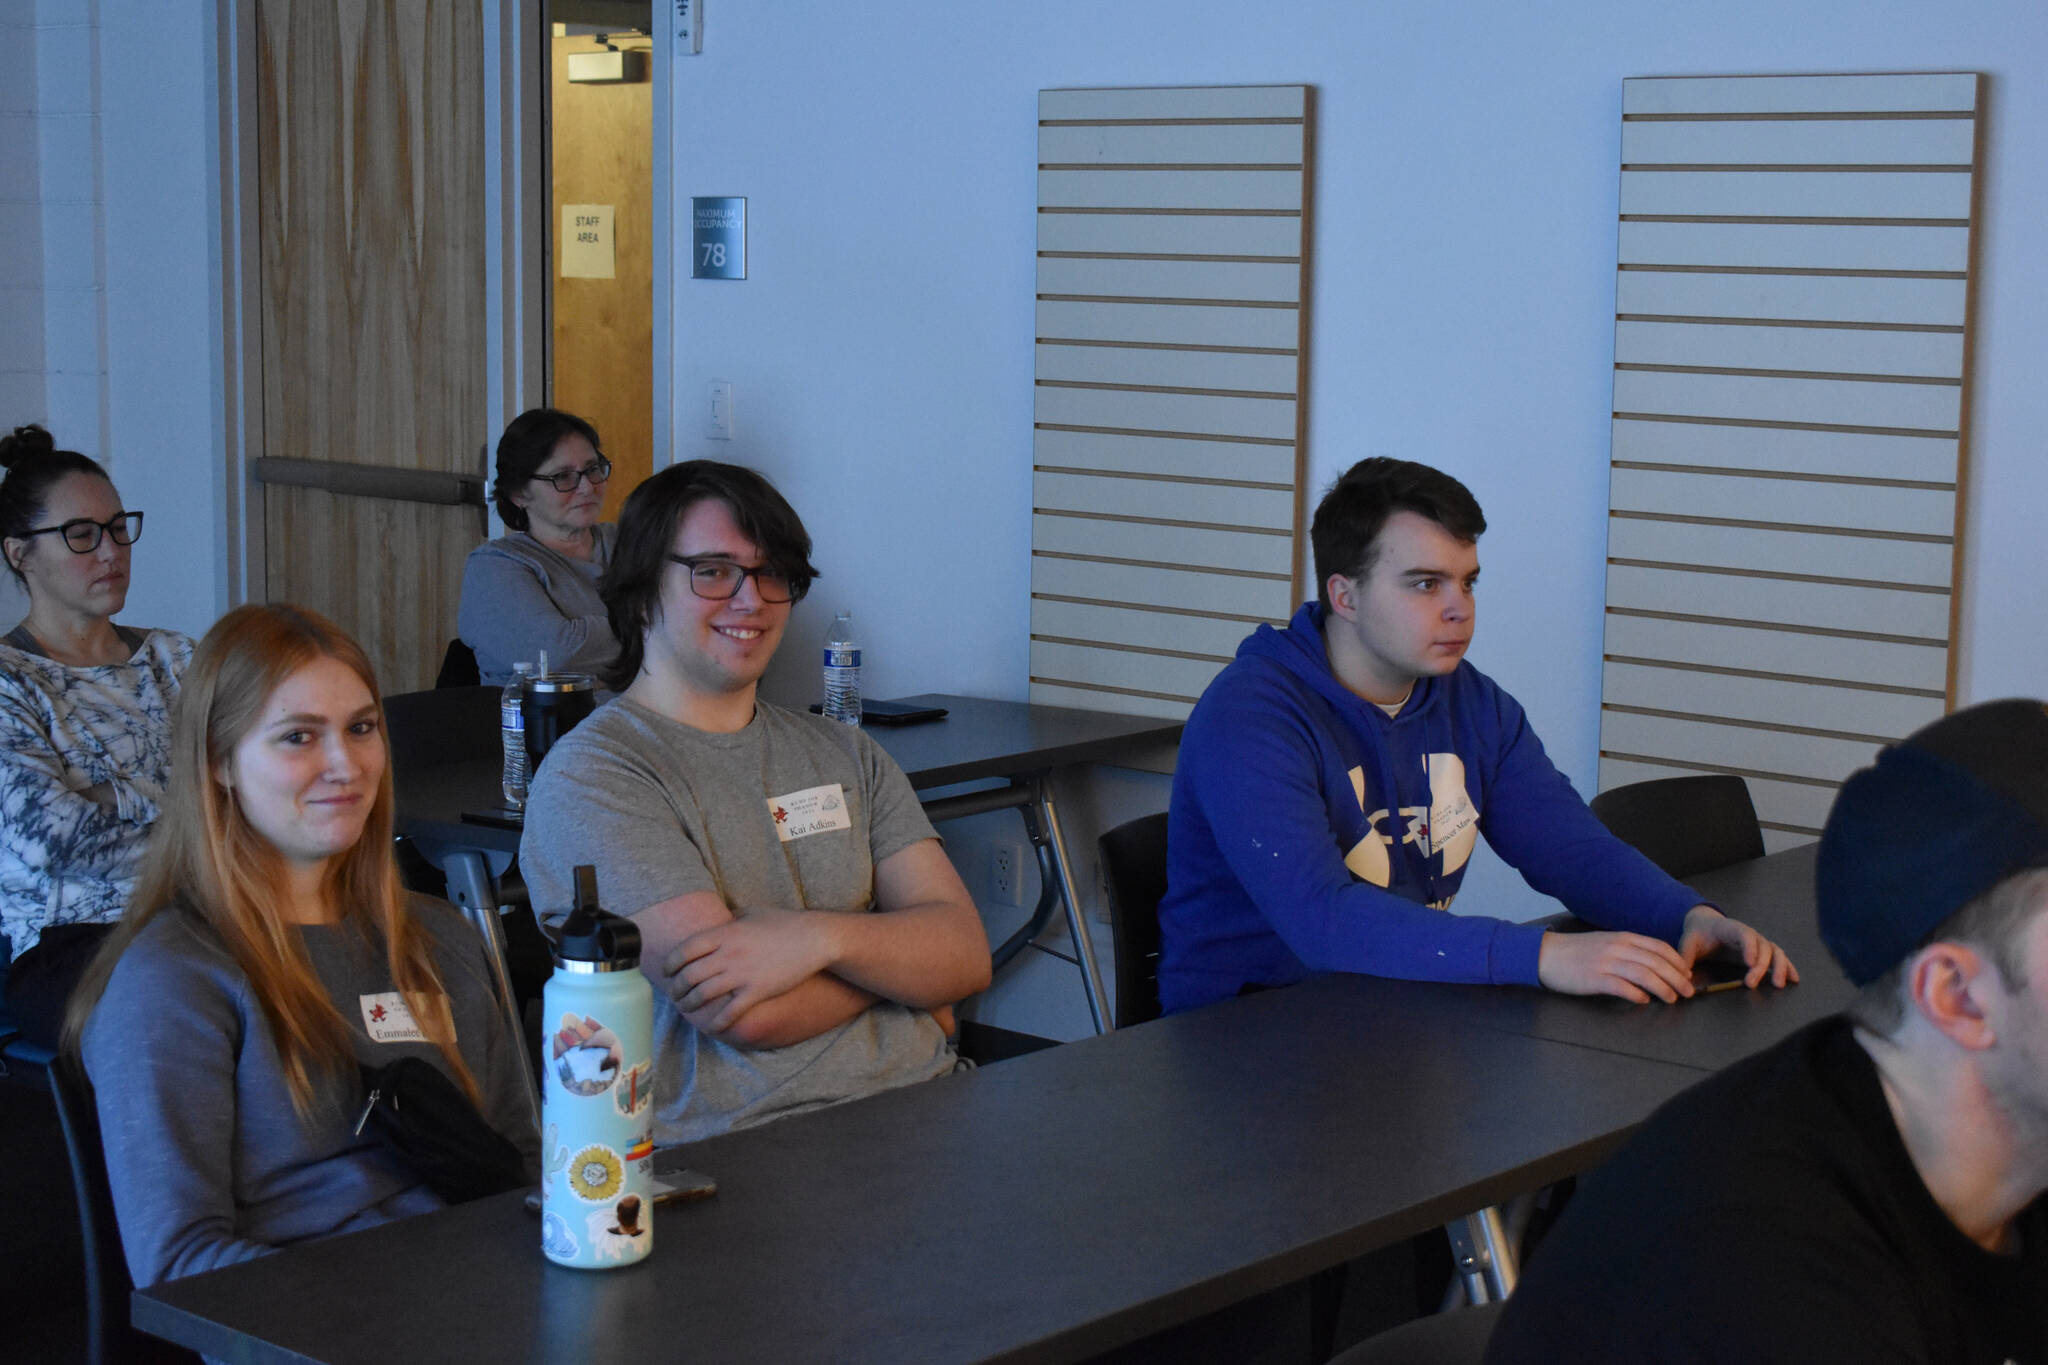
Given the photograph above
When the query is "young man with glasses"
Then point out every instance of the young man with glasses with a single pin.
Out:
(800, 922)
(1335, 778)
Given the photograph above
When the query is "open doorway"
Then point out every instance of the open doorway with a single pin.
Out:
(600, 228)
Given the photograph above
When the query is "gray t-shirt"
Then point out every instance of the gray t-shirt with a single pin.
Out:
(662, 810)
(519, 598)
(209, 1162)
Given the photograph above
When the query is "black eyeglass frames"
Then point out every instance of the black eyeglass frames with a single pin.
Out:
(718, 579)
(82, 534)
(565, 480)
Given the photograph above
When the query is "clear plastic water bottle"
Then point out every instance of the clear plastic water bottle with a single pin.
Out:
(512, 735)
(842, 671)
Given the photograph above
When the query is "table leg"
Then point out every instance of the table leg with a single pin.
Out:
(1032, 800)
(472, 888)
(1047, 833)
(1484, 1255)
(470, 884)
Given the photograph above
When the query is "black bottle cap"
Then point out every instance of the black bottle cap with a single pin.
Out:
(592, 934)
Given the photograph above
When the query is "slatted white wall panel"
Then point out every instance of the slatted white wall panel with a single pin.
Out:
(1789, 390)
(1167, 461)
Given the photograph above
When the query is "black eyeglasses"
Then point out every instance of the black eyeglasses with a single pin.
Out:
(565, 480)
(82, 534)
(718, 579)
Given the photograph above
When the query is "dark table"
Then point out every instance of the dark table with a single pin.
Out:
(978, 740)
(1774, 894)
(1228, 1152)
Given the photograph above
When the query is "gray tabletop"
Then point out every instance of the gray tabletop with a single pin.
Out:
(978, 739)
(1226, 1152)
(1774, 894)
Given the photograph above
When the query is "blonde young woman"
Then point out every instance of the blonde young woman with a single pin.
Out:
(268, 950)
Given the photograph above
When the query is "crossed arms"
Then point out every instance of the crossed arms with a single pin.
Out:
(763, 977)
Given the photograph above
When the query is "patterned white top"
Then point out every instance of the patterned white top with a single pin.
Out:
(84, 755)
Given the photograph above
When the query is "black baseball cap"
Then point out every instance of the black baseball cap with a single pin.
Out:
(1941, 818)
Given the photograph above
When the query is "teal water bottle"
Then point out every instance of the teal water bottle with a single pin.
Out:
(597, 1091)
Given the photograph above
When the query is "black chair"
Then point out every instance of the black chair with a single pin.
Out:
(442, 725)
(1134, 870)
(1458, 1337)
(110, 1340)
(454, 725)
(1685, 825)
(458, 666)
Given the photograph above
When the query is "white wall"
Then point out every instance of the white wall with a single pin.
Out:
(52, 358)
(109, 229)
(160, 154)
(1462, 303)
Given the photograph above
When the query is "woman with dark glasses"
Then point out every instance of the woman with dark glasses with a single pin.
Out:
(85, 723)
(535, 588)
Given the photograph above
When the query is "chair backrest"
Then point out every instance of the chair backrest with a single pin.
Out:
(1134, 870)
(1685, 825)
(1458, 1337)
(109, 1338)
(458, 666)
(443, 725)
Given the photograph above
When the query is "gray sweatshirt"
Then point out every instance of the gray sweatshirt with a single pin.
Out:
(209, 1162)
(519, 598)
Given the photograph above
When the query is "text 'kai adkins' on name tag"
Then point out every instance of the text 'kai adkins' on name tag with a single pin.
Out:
(810, 811)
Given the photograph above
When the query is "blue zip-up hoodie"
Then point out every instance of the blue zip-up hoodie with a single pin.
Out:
(1283, 857)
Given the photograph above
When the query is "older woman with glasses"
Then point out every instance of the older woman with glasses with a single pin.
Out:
(85, 723)
(535, 588)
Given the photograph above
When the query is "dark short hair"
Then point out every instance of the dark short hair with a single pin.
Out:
(1993, 923)
(34, 465)
(528, 441)
(1348, 521)
(631, 587)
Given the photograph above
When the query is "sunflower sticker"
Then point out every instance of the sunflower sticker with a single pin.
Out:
(595, 1174)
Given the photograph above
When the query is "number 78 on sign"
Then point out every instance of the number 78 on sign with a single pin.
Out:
(718, 239)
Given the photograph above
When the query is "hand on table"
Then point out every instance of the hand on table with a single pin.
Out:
(1708, 933)
(1632, 966)
(718, 974)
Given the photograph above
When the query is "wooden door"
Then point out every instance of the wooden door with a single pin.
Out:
(370, 189)
(601, 138)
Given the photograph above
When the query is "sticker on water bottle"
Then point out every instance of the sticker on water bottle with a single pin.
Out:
(618, 1233)
(842, 658)
(633, 1091)
(587, 1055)
(813, 810)
(596, 1174)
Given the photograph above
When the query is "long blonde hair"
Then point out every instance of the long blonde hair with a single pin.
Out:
(207, 863)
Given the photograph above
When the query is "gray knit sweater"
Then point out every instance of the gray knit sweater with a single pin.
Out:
(209, 1162)
(519, 598)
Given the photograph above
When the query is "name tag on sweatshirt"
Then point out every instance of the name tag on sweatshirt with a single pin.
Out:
(813, 810)
(1450, 819)
(388, 1019)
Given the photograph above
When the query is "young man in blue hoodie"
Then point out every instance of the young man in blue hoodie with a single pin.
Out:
(1334, 778)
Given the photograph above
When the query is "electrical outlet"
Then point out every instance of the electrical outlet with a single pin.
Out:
(1006, 874)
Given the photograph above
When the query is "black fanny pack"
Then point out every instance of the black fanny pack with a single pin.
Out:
(414, 1109)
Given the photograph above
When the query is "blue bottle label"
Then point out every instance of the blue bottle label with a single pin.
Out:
(841, 658)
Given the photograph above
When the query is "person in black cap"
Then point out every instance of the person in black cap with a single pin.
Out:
(1871, 1189)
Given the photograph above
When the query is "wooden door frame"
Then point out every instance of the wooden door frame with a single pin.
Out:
(661, 337)
(516, 294)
